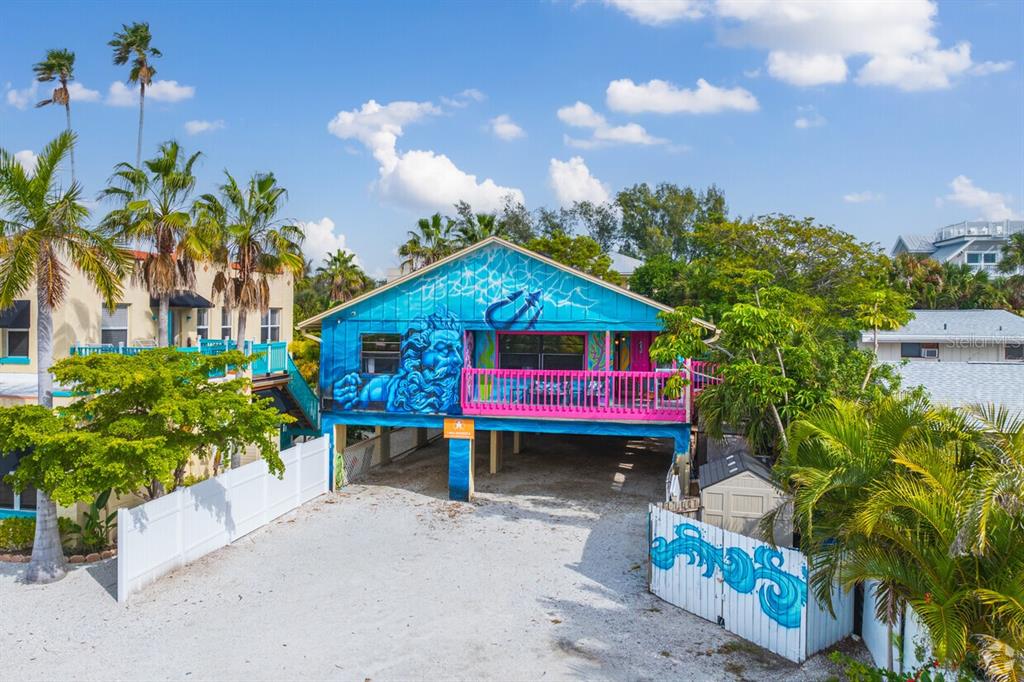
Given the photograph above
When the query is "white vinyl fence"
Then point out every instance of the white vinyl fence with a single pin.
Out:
(159, 536)
(748, 587)
(908, 631)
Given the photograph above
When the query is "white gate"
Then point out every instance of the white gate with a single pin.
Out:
(750, 588)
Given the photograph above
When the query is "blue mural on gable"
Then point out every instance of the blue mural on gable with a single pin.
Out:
(783, 600)
(427, 380)
(528, 312)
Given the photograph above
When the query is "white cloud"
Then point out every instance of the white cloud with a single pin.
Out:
(505, 128)
(321, 240)
(417, 178)
(464, 98)
(573, 182)
(121, 95)
(926, 70)
(804, 69)
(656, 12)
(986, 68)
(862, 197)
(28, 160)
(80, 93)
(808, 117)
(20, 99)
(662, 97)
(197, 127)
(993, 206)
(582, 115)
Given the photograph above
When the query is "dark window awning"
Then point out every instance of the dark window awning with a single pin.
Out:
(184, 299)
(16, 317)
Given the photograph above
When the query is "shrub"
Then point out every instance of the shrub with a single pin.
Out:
(17, 533)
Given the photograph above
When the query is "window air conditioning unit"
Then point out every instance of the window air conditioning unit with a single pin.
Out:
(931, 353)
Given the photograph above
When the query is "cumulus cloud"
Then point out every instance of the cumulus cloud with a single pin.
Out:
(505, 128)
(464, 98)
(582, 115)
(197, 127)
(992, 205)
(657, 12)
(416, 178)
(862, 197)
(322, 239)
(80, 93)
(662, 97)
(121, 95)
(571, 180)
(808, 117)
(21, 99)
(809, 42)
(28, 160)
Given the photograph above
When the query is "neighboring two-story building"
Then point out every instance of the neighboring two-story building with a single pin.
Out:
(977, 243)
(84, 321)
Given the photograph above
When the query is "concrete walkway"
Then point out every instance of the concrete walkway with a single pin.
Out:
(542, 577)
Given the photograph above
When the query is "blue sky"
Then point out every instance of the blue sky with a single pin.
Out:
(879, 119)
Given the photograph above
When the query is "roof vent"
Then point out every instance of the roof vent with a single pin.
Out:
(944, 325)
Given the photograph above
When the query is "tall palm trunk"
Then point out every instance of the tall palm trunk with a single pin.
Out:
(240, 341)
(142, 107)
(163, 321)
(47, 563)
(67, 113)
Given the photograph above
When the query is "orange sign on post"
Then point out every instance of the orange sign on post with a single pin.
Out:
(459, 428)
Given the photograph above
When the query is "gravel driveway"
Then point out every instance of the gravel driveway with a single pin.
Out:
(542, 577)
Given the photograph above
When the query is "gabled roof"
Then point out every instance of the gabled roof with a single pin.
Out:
(914, 243)
(993, 326)
(316, 319)
(732, 463)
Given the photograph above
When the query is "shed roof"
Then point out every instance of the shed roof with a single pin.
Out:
(732, 463)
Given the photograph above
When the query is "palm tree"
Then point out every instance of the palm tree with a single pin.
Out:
(249, 242)
(41, 228)
(154, 212)
(343, 275)
(132, 43)
(430, 243)
(58, 65)
(1013, 255)
(477, 228)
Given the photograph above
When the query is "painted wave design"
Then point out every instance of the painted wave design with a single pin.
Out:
(782, 595)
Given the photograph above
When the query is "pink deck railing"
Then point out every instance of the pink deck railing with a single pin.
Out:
(703, 374)
(581, 394)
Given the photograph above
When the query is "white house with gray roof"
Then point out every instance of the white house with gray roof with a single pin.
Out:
(962, 384)
(953, 336)
(977, 243)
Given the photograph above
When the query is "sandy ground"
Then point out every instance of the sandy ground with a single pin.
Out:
(541, 578)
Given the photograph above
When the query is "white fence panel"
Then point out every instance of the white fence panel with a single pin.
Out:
(155, 538)
(907, 627)
(875, 632)
(754, 590)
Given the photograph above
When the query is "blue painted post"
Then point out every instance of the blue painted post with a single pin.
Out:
(460, 469)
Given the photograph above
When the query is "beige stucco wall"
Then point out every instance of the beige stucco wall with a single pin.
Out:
(77, 320)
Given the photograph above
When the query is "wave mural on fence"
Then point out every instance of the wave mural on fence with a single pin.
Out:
(782, 599)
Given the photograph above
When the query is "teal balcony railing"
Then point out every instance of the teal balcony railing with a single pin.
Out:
(274, 357)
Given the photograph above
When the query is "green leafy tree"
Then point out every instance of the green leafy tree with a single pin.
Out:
(661, 221)
(433, 239)
(154, 203)
(883, 309)
(343, 276)
(42, 229)
(58, 65)
(471, 227)
(132, 44)
(580, 252)
(249, 242)
(1013, 255)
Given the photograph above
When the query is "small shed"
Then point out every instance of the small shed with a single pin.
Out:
(736, 491)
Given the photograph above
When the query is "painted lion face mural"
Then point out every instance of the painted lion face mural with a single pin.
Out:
(427, 380)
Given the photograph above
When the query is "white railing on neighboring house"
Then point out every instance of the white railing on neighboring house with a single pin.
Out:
(159, 536)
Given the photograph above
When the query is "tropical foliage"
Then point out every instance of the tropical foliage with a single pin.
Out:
(132, 44)
(58, 65)
(951, 286)
(928, 503)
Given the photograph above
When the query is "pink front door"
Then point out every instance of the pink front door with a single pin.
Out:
(640, 351)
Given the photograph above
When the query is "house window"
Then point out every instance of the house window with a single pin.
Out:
(270, 326)
(380, 353)
(541, 351)
(1014, 351)
(114, 326)
(15, 322)
(982, 259)
(225, 323)
(919, 350)
(202, 323)
(26, 500)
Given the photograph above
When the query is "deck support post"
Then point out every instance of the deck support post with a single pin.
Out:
(340, 437)
(384, 444)
(496, 443)
(517, 442)
(421, 436)
(460, 468)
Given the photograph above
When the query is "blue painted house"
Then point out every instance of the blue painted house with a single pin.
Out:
(500, 339)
